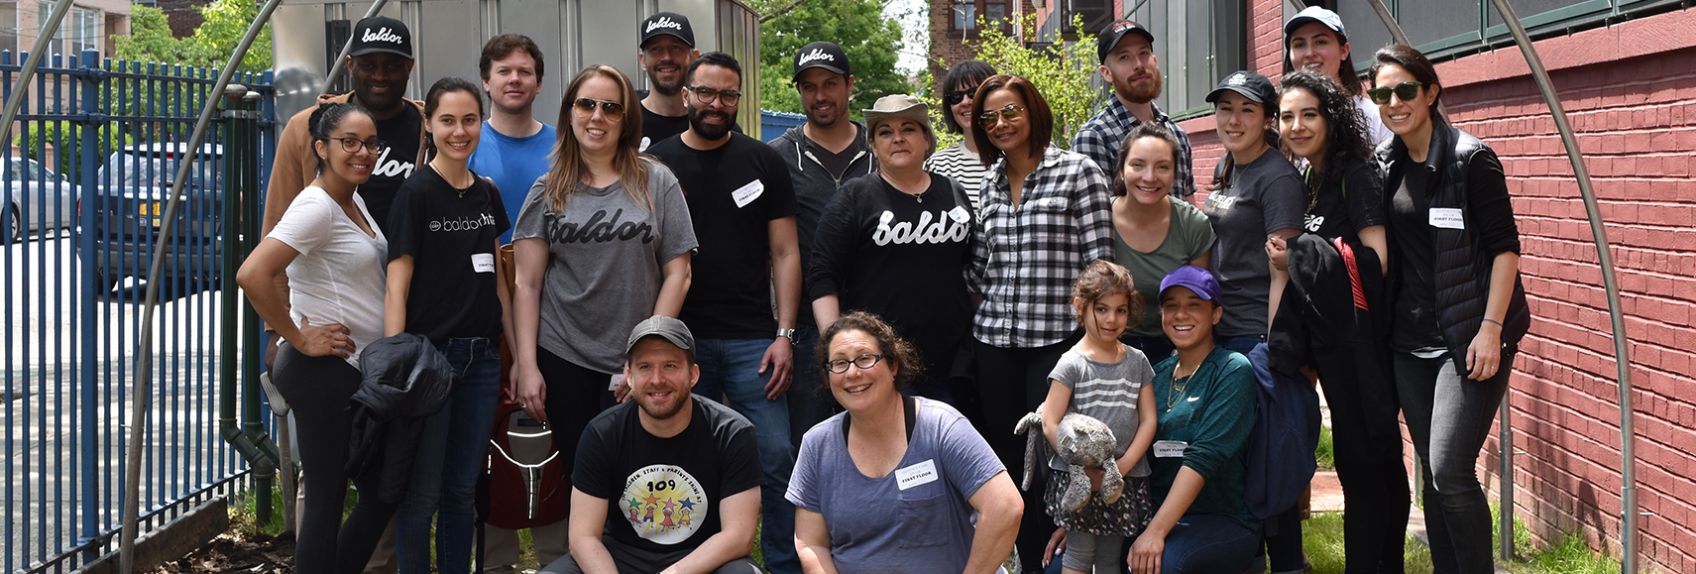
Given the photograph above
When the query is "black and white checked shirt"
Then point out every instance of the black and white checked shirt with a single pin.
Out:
(1102, 135)
(1026, 257)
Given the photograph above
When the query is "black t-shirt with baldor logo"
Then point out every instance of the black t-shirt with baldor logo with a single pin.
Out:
(396, 159)
(450, 234)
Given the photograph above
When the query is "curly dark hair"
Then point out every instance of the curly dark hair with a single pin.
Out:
(900, 354)
(1102, 278)
(1345, 125)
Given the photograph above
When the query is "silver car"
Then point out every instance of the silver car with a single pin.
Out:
(35, 200)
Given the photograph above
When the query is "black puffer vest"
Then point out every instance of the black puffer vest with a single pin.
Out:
(1462, 267)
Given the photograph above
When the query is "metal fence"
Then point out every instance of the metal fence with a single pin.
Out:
(86, 175)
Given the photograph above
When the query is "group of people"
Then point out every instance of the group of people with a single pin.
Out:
(827, 341)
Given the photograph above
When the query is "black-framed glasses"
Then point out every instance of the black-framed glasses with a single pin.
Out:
(989, 118)
(353, 145)
(1406, 91)
(862, 362)
(956, 96)
(707, 95)
(610, 108)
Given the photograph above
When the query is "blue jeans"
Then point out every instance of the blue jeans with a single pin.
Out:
(1449, 419)
(1206, 543)
(730, 372)
(810, 401)
(444, 475)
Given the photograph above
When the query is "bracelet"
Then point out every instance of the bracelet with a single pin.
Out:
(1489, 320)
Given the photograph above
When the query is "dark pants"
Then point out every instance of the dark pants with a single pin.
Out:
(1368, 451)
(318, 390)
(1283, 532)
(1011, 383)
(1449, 418)
(575, 395)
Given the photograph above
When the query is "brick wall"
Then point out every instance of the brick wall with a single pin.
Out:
(1630, 92)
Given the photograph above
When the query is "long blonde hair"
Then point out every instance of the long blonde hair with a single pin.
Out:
(568, 168)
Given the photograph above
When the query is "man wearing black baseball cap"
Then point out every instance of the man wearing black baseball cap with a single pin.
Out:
(666, 48)
(1129, 65)
(379, 64)
(823, 153)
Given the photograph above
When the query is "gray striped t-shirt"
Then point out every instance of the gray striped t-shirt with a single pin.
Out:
(1106, 391)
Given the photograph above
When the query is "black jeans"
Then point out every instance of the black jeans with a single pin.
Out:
(1449, 418)
(575, 395)
(1012, 382)
(318, 390)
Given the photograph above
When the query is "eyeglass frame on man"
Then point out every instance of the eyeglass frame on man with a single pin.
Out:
(708, 95)
(1407, 90)
(991, 118)
(840, 366)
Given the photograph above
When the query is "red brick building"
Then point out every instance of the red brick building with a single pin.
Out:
(1626, 74)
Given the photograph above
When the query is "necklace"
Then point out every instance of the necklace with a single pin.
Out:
(1180, 385)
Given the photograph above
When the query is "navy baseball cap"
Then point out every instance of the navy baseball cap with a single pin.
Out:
(667, 24)
(1253, 86)
(825, 55)
(381, 34)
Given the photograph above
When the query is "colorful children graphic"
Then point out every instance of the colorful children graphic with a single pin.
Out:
(663, 501)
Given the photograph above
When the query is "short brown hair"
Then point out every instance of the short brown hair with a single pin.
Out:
(1140, 131)
(504, 45)
(1037, 113)
(1414, 62)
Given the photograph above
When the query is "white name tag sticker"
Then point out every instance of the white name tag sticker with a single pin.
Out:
(613, 384)
(960, 214)
(915, 475)
(1447, 218)
(483, 262)
(1170, 448)
(748, 193)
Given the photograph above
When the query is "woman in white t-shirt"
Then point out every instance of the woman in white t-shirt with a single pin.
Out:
(333, 253)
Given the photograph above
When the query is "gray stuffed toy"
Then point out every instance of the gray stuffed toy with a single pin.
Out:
(1084, 441)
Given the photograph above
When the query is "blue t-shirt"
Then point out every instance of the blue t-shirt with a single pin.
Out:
(513, 163)
(875, 524)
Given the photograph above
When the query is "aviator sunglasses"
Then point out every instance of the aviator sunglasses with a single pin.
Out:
(609, 108)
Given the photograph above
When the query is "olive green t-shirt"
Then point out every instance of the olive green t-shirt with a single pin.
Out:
(1189, 236)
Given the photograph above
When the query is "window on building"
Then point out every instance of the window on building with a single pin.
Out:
(1450, 28)
(966, 13)
(1198, 42)
(9, 27)
(80, 30)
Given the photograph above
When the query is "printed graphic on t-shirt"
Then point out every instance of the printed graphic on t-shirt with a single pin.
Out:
(933, 227)
(601, 227)
(1219, 203)
(456, 224)
(387, 167)
(1313, 223)
(664, 503)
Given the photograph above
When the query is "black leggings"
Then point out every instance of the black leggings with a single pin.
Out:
(575, 395)
(1012, 382)
(318, 390)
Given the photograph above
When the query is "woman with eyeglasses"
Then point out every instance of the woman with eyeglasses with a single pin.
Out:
(1043, 216)
(893, 483)
(960, 162)
(333, 252)
(896, 243)
(1459, 309)
(602, 241)
(1335, 295)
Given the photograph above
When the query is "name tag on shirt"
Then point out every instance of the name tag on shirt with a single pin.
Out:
(916, 475)
(1170, 448)
(748, 193)
(483, 262)
(616, 381)
(959, 214)
(1447, 218)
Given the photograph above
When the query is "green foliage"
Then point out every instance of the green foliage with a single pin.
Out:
(150, 38)
(66, 136)
(1326, 454)
(1572, 555)
(1062, 71)
(856, 25)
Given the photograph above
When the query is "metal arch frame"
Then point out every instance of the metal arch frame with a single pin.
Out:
(1598, 232)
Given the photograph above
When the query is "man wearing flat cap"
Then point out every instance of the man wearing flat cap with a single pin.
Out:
(668, 481)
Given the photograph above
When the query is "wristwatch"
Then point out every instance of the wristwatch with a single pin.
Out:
(787, 334)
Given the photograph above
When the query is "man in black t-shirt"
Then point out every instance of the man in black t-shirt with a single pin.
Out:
(743, 207)
(667, 46)
(667, 481)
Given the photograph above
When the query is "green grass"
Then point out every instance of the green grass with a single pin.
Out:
(1572, 555)
(1325, 454)
(1322, 538)
(244, 513)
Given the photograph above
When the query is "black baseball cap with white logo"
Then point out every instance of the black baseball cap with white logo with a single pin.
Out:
(821, 55)
(667, 24)
(1115, 32)
(381, 34)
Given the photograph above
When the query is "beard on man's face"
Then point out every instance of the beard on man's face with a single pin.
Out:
(710, 131)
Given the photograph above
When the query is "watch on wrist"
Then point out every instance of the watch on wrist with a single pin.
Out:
(787, 334)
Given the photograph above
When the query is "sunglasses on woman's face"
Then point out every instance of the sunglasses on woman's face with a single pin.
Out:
(957, 96)
(1405, 90)
(587, 105)
(991, 118)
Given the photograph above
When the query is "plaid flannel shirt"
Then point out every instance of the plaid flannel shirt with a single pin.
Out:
(1026, 258)
(1102, 135)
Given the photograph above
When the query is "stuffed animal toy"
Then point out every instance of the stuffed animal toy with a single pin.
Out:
(1084, 442)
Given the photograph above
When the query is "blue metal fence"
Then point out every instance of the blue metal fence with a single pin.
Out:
(86, 175)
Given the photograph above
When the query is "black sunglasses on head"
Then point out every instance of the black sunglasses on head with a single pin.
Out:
(1405, 90)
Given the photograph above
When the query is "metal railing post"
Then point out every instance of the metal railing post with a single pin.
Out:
(1505, 491)
(94, 132)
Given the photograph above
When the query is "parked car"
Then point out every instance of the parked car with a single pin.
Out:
(35, 200)
(130, 207)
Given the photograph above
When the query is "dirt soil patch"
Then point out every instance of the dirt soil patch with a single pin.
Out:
(235, 551)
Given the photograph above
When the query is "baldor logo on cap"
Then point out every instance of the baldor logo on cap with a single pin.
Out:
(380, 35)
(1237, 80)
(815, 55)
(663, 22)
